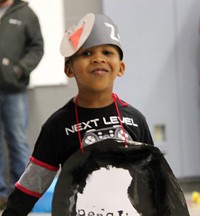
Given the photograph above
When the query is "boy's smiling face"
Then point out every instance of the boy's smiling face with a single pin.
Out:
(96, 68)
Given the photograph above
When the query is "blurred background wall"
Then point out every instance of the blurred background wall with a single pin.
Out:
(162, 53)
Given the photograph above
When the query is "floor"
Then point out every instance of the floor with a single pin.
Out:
(194, 208)
(189, 189)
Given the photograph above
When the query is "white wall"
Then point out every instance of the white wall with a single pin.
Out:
(50, 71)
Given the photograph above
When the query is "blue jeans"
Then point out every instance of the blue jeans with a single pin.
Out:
(13, 126)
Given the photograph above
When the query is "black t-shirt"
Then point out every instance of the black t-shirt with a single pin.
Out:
(58, 139)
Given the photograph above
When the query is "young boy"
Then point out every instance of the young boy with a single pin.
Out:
(94, 57)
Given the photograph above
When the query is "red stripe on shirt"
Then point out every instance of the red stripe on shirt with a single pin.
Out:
(25, 190)
(42, 164)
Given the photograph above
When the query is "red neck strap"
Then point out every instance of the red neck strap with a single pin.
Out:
(115, 100)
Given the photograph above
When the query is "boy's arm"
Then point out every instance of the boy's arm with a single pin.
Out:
(33, 183)
(19, 204)
(37, 177)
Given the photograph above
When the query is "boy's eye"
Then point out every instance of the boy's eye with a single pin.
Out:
(87, 53)
(107, 52)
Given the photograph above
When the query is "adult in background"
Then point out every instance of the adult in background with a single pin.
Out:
(21, 49)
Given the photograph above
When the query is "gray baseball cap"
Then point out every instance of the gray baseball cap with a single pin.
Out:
(92, 30)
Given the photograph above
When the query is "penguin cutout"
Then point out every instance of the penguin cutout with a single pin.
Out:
(113, 180)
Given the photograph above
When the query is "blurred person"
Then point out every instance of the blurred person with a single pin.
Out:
(21, 49)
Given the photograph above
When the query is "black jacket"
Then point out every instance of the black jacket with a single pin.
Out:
(21, 45)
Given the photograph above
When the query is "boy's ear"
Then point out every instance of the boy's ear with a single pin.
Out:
(121, 69)
(68, 71)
